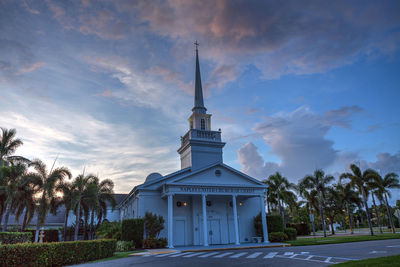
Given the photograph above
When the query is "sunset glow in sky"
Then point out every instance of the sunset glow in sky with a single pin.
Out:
(293, 85)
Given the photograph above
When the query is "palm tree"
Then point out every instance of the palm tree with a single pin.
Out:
(102, 193)
(68, 198)
(311, 197)
(8, 144)
(280, 187)
(12, 178)
(80, 187)
(349, 198)
(47, 182)
(319, 182)
(382, 186)
(359, 180)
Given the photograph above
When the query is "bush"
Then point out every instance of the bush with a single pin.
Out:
(14, 237)
(56, 253)
(153, 224)
(50, 235)
(291, 233)
(274, 224)
(301, 228)
(109, 230)
(123, 246)
(277, 237)
(132, 230)
(154, 242)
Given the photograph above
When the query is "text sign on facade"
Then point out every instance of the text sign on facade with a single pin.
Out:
(216, 190)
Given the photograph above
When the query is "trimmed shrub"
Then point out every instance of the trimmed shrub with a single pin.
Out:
(277, 237)
(301, 228)
(50, 235)
(132, 230)
(291, 233)
(154, 242)
(109, 230)
(14, 237)
(274, 224)
(55, 253)
(153, 224)
(123, 246)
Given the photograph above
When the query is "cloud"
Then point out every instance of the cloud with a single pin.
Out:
(32, 67)
(386, 163)
(298, 139)
(281, 38)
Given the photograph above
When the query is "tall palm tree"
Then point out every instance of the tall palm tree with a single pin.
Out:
(280, 188)
(13, 176)
(319, 182)
(8, 144)
(103, 195)
(359, 181)
(68, 198)
(349, 198)
(382, 186)
(47, 181)
(311, 197)
(80, 186)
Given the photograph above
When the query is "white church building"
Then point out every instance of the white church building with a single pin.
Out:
(206, 202)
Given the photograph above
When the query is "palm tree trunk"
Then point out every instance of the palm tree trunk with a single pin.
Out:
(389, 214)
(376, 213)
(321, 210)
(24, 220)
(37, 231)
(85, 225)
(368, 215)
(91, 225)
(268, 207)
(281, 212)
(7, 215)
(350, 220)
(65, 224)
(78, 217)
(332, 230)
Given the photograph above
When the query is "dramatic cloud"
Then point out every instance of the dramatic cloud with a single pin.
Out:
(298, 139)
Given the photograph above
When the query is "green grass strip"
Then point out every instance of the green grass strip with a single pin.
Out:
(381, 262)
(340, 239)
(118, 255)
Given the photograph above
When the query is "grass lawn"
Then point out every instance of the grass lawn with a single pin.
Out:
(118, 255)
(340, 239)
(383, 261)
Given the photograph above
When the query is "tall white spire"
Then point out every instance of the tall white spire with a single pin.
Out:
(198, 90)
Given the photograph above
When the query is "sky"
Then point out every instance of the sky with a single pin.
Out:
(293, 85)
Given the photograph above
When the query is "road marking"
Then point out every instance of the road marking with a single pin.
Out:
(270, 255)
(194, 254)
(309, 257)
(288, 253)
(180, 254)
(166, 254)
(294, 255)
(238, 255)
(223, 254)
(302, 253)
(328, 259)
(396, 246)
(254, 255)
(375, 252)
(208, 254)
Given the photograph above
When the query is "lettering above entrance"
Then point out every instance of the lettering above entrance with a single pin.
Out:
(212, 190)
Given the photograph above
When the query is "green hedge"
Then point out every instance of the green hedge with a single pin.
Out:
(50, 235)
(132, 230)
(301, 228)
(274, 224)
(123, 246)
(56, 253)
(154, 242)
(277, 237)
(291, 233)
(14, 237)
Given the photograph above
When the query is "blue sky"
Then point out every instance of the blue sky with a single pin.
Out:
(294, 86)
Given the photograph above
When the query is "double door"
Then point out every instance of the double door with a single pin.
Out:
(214, 231)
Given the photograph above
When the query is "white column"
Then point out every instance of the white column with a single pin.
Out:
(263, 219)
(170, 221)
(235, 219)
(205, 230)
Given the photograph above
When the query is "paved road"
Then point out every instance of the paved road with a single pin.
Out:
(321, 255)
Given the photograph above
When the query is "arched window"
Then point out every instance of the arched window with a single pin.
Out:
(202, 124)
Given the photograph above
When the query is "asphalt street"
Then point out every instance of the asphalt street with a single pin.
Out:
(321, 255)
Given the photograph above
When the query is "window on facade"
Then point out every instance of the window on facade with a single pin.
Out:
(203, 124)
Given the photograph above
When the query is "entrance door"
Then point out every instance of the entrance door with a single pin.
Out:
(214, 233)
(179, 232)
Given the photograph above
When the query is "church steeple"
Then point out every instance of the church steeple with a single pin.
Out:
(198, 90)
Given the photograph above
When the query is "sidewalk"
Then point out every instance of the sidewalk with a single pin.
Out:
(211, 248)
